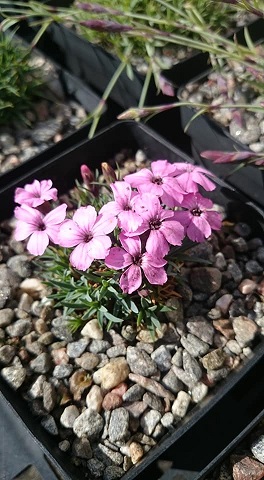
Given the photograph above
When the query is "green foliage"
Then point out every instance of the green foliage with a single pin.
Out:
(96, 294)
(20, 82)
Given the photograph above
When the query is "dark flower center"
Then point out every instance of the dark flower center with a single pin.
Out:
(154, 224)
(137, 260)
(196, 212)
(157, 180)
(127, 208)
(88, 237)
(42, 227)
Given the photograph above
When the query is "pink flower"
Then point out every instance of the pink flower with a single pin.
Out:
(36, 193)
(198, 220)
(130, 256)
(87, 232)
(40, 228)
(164, 230)
(123, 206)
(159, 180)
(190, 176)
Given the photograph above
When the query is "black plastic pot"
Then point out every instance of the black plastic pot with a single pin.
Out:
(206, 134)
(73, 88)
(234, 401)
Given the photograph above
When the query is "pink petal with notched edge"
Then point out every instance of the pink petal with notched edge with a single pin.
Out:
(111, 208)
(162, 168)
(155, 276)
(173, 231)
(139, 178)
(85, 217)
(53, 232)
(131, 244)
(38, 243)
(118, 258)
(214, 219)
(28, 214)
(104, 224)
(55, 216)
(122, 192)
(154, 261)
(131, 279)
(156, 244)
(79, 258)
(129, 220)
(198, 229)
(23, 230)
(98, 247)
(70, 234)
(147, 205)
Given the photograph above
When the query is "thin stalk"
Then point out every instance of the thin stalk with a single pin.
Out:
(145, 87)
(98, 111)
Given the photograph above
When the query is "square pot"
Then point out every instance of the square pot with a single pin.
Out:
(73, 89)
(240, 383)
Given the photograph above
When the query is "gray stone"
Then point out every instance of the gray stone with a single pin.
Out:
(119, 425)
(153, 402)
(41, 364)
(89, 424)
(245, 330)
(98, 346)
(36, 389)
(206, 279)
(60, 329)
(194, 345)
(151, 385)
(7, 353)
(113, 473)
(88, 361)
(199, 392)
(167, 420)
(81, 448)
(19, 328)
(21, 265)
(176, 313)
(117, 351)
(14, 376)
(108, 456)
(49, 396)
(181, 404)
(96, 468)
(63, 371)
(140, 362)
(133, 394)
(6, 317)
(257, 448)
(201, 328)
(172, 382)
(49, 424)
(191, 367)
(75, 349)
(162, 358)
(149, 421)
(69, 416)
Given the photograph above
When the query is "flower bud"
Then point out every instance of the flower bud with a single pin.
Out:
(88, 179)
(108, 173)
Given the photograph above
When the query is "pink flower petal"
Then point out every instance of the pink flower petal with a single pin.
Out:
(129, 221)
(131, 279)
(70, 234)
(199, 229)
(162, 168)
(55, 216)
(173, 231)
(85, 217)
(214, 219)
(110, 208)
(104, 224)
(122, 192)
(38, 243)
(53, 233)
(23, 230)
(156, 244)
(98, 247)
(155, 276)
(131, 244)
(28, 215)
(80, 258)
(139, 178)
(154, 261)
(118, 258)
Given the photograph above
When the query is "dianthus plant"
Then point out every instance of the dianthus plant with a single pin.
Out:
(114, 255)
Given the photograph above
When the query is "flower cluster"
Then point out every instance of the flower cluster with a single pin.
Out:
(151, 211)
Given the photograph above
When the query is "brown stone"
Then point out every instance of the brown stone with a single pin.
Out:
(206, 279)
(112, 401)
(248, 468)
(225, 327)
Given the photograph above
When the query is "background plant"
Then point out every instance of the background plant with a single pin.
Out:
(20, 81)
